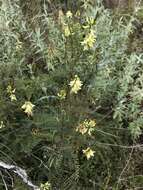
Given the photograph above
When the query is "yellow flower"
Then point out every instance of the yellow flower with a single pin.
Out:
(89, 40)
(92, 123)
(18, 45)
(28, 108)
(90, 21)
(81, 129)
(67, 31)
(45, 186)
(2, 125)
(11, 93)
(88, 153)
(91, 127)
(62, 94)
(88, 126)
(10, 90)
(13, 97)
(75, 85)
(77, 14)
(69, 14)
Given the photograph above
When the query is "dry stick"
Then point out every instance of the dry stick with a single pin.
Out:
(138, 146)
(21, 173)
(124, 169)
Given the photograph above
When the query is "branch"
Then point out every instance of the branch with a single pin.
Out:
(21, 173)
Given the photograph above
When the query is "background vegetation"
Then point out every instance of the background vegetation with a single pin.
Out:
(71, 94)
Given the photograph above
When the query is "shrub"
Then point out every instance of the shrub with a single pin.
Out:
(71, 96)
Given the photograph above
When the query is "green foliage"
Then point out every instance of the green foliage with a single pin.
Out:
(59, 72)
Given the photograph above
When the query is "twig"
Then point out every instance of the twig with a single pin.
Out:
(3, 181)
(124, 169)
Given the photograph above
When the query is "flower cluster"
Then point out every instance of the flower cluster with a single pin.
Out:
(45, 186)
(18, 45)
(11, 93)
(89, 40)
(28, 108)
(65, 26)
(88, 153)
(75, 85)
(89, 23)
(62, 94)
(88, 126)
(2, 125)
(69, 14)
(67, 31)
